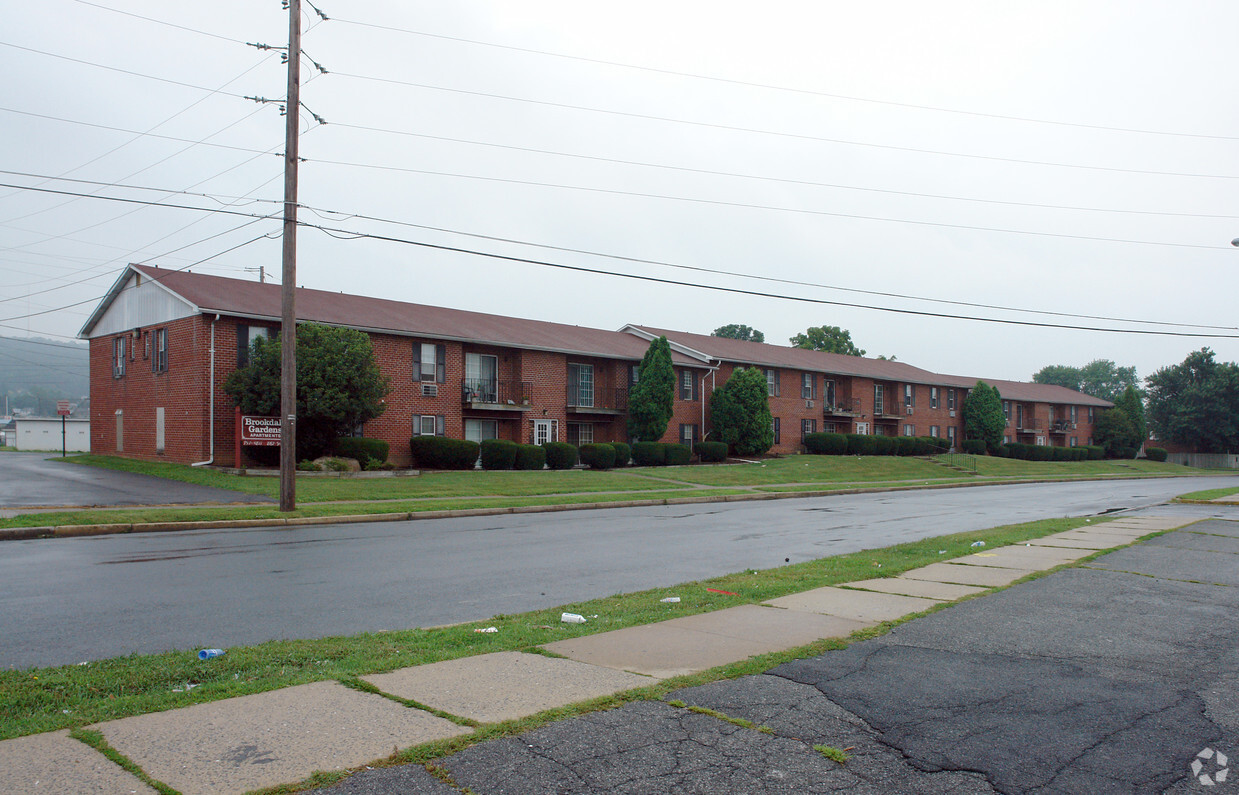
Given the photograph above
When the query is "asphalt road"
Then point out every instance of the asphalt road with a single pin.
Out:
(70, 600)
(1110, 678)
(39, 480)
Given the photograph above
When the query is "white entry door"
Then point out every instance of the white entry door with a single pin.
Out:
(545, 431)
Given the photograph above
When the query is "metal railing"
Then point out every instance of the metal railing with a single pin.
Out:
(842, 406)
(493, 392)
(594, 397)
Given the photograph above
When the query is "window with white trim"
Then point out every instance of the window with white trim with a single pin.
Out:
(772, 383)
(807, 426)
(935, 431)
(580, 433)
(909, 395)
(118, 356)
(950, 399)
(808, 386)
(430, 425)
(159, 361)
(933, 397)
(909, 429)
(689, 435)
(481, 430)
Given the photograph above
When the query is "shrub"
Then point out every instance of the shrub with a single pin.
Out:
(904, 445)
(498, 454)
(677, 455)
(977, 447)
(440, 452)
(649, 454)
(1153, 453)
(598, 455)
(859, 444)
(937, 444)
(1079, 453)
(1063, 454)
(826, 443)
(623, 454)
(883, 445)
(363, 449)
(560, 455)
(530, 457)
(711, 452)
(1095, 452)
(307, 466)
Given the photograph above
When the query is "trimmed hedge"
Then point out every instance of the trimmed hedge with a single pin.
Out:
(937, 444)
(597, 455)
(826, 443)
(1154, 453)
(560, 455)
(677, 455)
(529, 457)
(649, 454)
(885, 445)
(623, 453)
(859, 444)
(362, 449)
(712, 452)
(498, 454)
(974, 446)
(440, 452)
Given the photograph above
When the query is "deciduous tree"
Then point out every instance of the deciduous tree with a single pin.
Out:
(831, 339)
(740, 413)
(737, 331)
(339, 385)
(1196, 403)
(983, 417)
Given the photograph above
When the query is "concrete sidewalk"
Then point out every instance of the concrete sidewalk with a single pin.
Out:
(284, 736)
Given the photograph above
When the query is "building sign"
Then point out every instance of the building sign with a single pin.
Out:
(260, 431)
(62, 408)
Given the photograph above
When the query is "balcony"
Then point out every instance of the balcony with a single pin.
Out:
(889, 410)
(1030, 425)
(844, 407)
(588, 399)
(1062, 426)
(490, 395)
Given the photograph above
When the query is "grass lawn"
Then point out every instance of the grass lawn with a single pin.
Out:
(807, 469)
(1209, 494)
(1011, 467)
(72, 696)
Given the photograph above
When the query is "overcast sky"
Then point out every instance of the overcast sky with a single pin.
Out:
(1070, 157)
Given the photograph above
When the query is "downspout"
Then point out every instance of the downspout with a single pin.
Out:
(211, 400)
(709, 374)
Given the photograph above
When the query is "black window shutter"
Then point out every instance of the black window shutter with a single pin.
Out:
(417, 361)
(776, 383)
(243, 347)
(440, 429)
(440, 364)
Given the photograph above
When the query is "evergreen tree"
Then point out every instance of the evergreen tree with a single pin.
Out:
(1133, 406)
(740, 413)
(653, 396)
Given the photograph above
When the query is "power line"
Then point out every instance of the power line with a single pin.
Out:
(788, 89)
(24, 340)
(796, 136)
(162, 22)
(351, 234)
(766, 178)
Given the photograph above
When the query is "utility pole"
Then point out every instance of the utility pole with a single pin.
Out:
(288, 303)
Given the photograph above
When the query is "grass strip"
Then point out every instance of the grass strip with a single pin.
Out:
(1207, 495)
(44, 699)
(95, 740)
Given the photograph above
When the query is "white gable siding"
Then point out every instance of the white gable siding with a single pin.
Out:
(138, 305)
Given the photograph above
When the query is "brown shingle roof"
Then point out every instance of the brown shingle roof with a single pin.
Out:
(212, 294)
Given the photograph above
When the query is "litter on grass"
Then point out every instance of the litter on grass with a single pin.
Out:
(977, 543)
(670, 599)
(728, 593)
(487, 630)
(207, 654)
(572, 618)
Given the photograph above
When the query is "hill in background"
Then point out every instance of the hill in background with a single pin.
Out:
(36, 372)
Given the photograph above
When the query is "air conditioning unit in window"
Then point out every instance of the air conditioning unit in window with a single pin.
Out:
(430, 390)
(808, 404)
(952, 412)
(909, 411)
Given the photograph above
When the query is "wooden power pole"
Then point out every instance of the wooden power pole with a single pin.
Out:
(288, 299)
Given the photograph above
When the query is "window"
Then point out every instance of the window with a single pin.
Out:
(1074, 416)
(1073, 441)
(950, 434)
(775, 422)
(581, 385)
(481, 370)
(689, 435)
(830, 427)
(950, 399)
(634, 374)
(909, 430)
(1006, 439)
(808, 386)
(118, 357)
(828, 392)
(807, 427)
(862, 428)
(246, 335)
(878, 407)
(1090, 419)
(429, 425)
(933, 397)
(159, 362)
(428, 362)
(688, 385)
(580, 433)
(935, 431)
(772, 383)
(909, 395)
(481, 430)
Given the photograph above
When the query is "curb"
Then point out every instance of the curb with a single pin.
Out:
(77, 531)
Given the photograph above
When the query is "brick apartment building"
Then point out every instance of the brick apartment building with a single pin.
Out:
(162, 343)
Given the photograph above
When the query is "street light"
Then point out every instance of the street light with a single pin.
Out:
(1235, 242)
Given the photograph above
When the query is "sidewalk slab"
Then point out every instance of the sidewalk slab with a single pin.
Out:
(55, 763)
(926, 588)
(1022, 557)
(246, 743)
(864, 606)
(696, 643)
(988, 576)
(1151, 524)
(495, 687)
(1075, 540)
